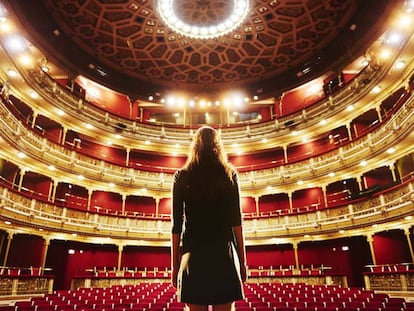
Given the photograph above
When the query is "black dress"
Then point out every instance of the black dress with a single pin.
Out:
(210, 207)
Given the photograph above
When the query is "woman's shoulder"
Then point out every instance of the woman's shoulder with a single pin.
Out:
(234, 174)
(180, 174)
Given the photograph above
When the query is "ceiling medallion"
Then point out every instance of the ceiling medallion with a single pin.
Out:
(203, 19)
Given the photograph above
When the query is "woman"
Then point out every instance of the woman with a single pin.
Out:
(206, 197)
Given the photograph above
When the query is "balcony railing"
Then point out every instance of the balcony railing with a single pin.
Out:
(347, 157)
(383, 209)
(62, 98)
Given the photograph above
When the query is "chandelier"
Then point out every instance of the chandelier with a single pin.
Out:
(203, 19)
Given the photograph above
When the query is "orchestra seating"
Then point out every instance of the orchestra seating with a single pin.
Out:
(160, 296)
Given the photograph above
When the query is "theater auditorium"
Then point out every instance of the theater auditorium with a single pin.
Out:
(313, 100)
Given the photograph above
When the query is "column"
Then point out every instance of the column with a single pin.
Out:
(285, 153)
(256, 200)
(304, 115)
(348, 128)
(325, 199)
(394, 176)
(53, 194)
(123, 203)
(295, 250)
(22, 172)
(34, 119)
(43, 257)
(290, 201)
(49, 195)
(6, 253)
(378, 109)
(120, 249)
(330, 101)
(63, 137)
(141, 114)
(89, 199)
(157, 206)
(410, 245)
(128, 150)
(359, 180)
(370, 240)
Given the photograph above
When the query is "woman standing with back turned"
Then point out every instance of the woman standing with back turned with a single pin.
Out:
(205, 193)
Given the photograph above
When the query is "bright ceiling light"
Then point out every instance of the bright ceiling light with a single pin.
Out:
(400, 64)
(21, 155)
(211, 22)
(16, 43)
(376, 89)
(405, 21)
(4, 25)
(385, 54)
(394, 38)
(12, 73)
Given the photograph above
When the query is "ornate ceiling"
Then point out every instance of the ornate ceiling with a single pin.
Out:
(125, 44)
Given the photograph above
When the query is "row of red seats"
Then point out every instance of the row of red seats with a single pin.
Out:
(31, 271)
(258, 297)
(165, 273)
(304, 297)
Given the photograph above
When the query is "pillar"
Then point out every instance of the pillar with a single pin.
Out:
(128, 151)
(89, 199)
(378, 109)
(295, 250)
(49, 195)
(256, 200)
(34, 119)
(120, 249)
(370, 240)
(123, 203)
(359, 180)
(325, 199)
(285, 153)
(63, 137)
(394, 176)
(53, 194)
(43, 257)
(157, 206)
(348, 128)
(290, 201)
(22, 172)
(6, 253)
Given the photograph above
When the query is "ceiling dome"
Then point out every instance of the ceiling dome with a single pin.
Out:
(204, 19)
(131, 47)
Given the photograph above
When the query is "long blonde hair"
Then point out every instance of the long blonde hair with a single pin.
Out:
(208, 147)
